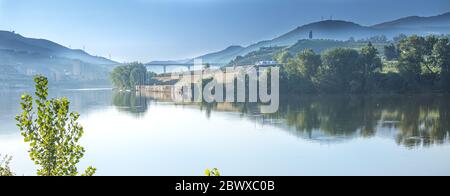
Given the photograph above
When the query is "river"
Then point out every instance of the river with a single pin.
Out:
(137, 134)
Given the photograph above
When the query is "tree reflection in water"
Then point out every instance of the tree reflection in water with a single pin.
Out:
(412, 120)
(130, 102)
(419, 120)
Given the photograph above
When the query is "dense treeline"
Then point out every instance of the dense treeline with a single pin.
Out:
(130, 75)
(416, 64)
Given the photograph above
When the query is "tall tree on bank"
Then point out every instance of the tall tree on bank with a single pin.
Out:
(411, 58)
(301, 70)
(283, 57)
(130, 75)
(441, 59)
(308, 63)
(370, 62)
(341, 71)
(417, 63)
(391, 52)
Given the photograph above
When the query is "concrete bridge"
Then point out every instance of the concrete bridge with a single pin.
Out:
(189, 66)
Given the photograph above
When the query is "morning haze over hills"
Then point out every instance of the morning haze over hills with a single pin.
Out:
(341, 31)
(21, 58)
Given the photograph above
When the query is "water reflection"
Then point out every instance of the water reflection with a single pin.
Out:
(412, 121)
(130, 103)
(83, 101)
(148, 129)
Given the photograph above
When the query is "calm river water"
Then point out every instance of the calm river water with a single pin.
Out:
(129, 134)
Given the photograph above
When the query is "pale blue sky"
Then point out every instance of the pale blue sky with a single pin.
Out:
(147, 30)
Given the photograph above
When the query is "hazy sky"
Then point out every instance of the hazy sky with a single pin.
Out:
(147, 30)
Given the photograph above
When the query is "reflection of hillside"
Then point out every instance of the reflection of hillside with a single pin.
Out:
(413, 121)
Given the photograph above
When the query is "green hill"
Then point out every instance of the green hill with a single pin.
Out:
(21, 58)
(318, 45)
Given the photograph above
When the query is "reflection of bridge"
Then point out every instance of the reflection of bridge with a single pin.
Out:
(187, 65)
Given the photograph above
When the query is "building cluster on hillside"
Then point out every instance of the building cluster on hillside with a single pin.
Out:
(266, 63)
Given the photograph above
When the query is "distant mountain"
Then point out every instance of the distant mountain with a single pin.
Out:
(417, 22)
(341, 31)
(16, 42)
(224, 56)
(417, 25)
(329, 29)
(22, 57)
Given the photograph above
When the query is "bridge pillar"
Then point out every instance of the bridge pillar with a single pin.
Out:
(165, 69)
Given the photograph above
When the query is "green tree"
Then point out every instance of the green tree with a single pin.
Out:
(120, 77)
(283, 57)
(213, 172)
(441, 59)
(138, 75)
(291, 69)
(399, 38)
(308, 63)
(4, 166)
(428, 65)
(52, 132)
(430, 41)
(130, 75)
(305, 64)
(416, 62)
(370, 59)
(340, 71)
(371, 62)
(298, 74)
(412, 53)
(391, 52)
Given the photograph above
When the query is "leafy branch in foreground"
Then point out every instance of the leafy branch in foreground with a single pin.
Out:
(52, 132)
(4, 166)
(213, 172)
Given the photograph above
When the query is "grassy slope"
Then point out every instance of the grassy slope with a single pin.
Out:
(318, 45)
